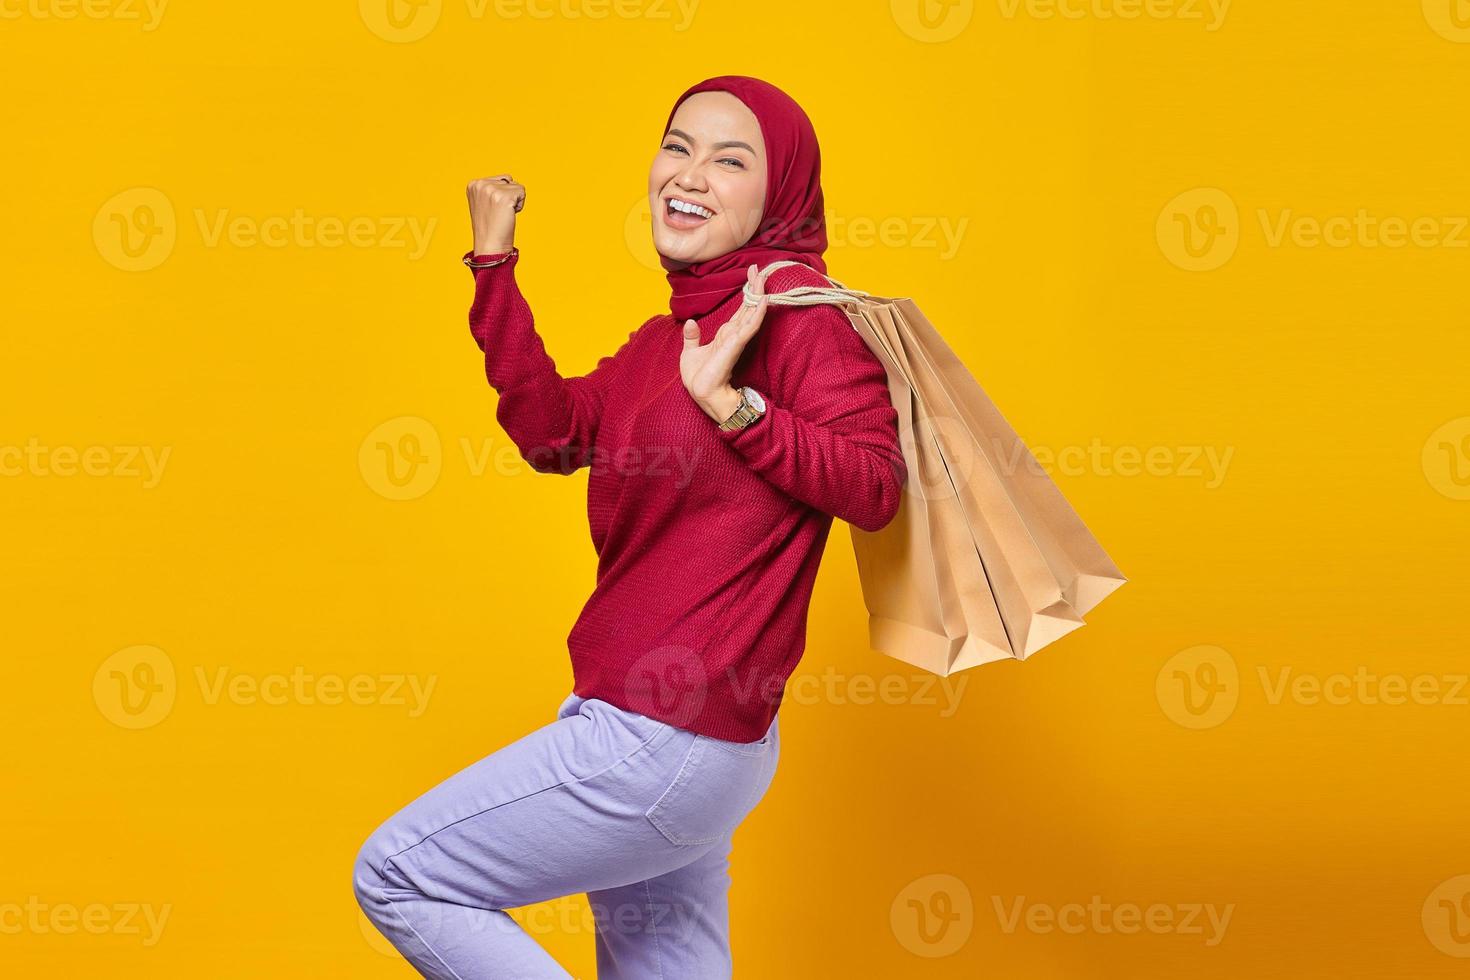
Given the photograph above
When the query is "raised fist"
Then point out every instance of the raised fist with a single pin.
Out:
(494, 203)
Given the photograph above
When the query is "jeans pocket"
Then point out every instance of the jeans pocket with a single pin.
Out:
(712, 792)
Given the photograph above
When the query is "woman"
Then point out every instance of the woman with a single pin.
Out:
(718, 456)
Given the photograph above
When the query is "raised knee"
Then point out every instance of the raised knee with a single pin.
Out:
(368, 882)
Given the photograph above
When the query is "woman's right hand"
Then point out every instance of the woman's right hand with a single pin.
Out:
(494, 202)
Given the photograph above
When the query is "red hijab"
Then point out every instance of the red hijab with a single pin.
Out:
(792, 226)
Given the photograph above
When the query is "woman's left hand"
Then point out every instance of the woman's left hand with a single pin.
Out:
(706, 368)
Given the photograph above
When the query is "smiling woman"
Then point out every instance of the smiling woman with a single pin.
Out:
(707, 185)
(681, 655)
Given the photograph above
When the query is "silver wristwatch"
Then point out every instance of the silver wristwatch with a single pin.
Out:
(752, 406)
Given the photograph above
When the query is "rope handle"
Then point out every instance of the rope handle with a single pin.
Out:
(805, 295)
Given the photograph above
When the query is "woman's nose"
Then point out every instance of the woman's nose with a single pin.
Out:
(691, 178)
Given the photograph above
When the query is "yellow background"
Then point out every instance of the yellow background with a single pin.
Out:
(1068, 154)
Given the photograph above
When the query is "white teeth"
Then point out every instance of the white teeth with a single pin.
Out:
(687, 208)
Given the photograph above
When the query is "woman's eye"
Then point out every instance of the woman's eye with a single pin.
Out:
(676, 148)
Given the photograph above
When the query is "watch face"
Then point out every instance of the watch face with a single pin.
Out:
(756, 401)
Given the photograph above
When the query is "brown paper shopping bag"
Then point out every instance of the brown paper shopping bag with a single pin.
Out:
(985, 558)
(1084, 570)
(924, 586)
(1022, 586)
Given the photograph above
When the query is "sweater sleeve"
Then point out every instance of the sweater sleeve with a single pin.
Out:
(551, 419)
(829, 436)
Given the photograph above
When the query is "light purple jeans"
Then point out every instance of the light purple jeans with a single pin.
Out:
(636, 813)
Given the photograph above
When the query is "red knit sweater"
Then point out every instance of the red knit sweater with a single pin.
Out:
(707, 541)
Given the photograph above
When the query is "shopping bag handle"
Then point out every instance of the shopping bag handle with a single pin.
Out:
(805, 295)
